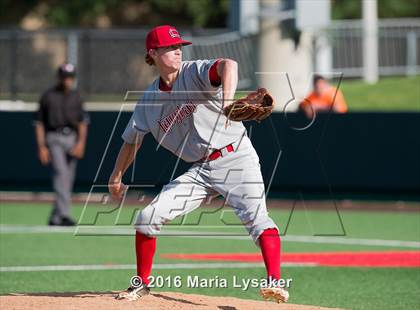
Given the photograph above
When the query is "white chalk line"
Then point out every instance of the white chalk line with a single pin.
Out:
(224, 265)
(115, 230)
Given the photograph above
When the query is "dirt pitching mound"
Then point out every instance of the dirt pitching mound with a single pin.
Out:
(161, 300)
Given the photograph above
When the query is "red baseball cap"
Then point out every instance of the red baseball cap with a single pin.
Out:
(163, 36)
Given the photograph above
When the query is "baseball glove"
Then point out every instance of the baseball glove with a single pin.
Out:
(256, 106)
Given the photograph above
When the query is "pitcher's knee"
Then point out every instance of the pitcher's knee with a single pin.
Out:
(257, 227)
(148, 222)
(146, 230)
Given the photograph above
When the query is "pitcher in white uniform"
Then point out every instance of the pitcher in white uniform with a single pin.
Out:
(183, 110)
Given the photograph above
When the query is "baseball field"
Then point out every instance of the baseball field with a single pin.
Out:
(348, 254)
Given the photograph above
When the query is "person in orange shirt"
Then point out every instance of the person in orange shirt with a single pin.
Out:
(323, 98)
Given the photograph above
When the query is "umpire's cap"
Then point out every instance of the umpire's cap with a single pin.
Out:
(66, 70)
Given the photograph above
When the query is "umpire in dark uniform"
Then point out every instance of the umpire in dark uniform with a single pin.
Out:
(61, 130)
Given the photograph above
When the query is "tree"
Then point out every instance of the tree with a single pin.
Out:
(197, 13)
(352, 9)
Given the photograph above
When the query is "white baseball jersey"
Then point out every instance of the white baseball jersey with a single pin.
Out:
(188, 120)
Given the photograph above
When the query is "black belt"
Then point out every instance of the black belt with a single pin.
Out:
(63, 130)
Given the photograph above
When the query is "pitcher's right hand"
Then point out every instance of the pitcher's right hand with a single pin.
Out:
(116, 188)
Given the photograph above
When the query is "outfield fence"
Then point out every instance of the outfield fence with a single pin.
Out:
(350, 153)
(111, 61)
(108, 61)
(398, 46)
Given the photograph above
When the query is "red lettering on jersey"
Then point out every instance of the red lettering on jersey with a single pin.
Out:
(177, 116)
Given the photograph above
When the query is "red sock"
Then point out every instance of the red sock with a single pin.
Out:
(270, 249)
(145, 250)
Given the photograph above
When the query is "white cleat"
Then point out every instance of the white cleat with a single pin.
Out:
(133, 293)
(277, 294)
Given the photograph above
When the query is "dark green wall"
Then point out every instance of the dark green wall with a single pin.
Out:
(363, 152)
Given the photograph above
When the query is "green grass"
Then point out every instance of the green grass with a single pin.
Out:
(389, 94)
(350, 288)
(34, 97)
(393, 94)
